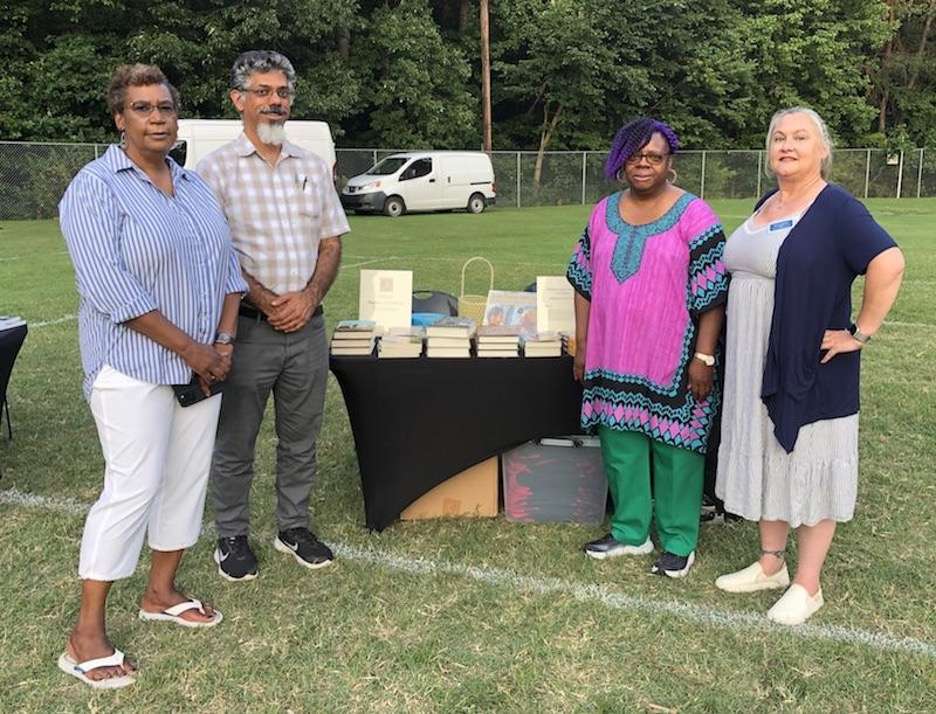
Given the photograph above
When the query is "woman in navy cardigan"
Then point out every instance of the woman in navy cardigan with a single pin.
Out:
(789, 450)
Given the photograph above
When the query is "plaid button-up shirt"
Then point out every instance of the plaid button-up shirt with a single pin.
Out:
(277, 214)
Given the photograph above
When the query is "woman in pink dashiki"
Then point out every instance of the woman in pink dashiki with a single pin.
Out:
(650, 292)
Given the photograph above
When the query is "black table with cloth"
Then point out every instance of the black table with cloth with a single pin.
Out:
(10, 342)
(417, 422)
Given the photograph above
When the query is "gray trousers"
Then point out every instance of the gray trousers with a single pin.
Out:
(295, 367)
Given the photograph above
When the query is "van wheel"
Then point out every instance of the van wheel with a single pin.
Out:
(476, 203)
(394, 207)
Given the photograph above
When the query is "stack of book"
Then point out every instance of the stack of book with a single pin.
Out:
(542, 344)
(450, 337)
(354, 337)
(498, 341)
(401, 342)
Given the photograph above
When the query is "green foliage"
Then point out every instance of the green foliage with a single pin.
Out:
(416, 94)
(903, 88)
(819, 53)
(556, 61)
(566, 73)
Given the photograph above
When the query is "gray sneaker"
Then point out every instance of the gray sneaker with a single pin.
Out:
(609, 547)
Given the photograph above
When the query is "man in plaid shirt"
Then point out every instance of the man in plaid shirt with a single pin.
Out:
(286, 222)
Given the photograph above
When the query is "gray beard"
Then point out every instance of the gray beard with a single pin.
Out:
(272, 134)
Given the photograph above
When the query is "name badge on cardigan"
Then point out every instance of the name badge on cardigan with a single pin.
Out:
(780, 225)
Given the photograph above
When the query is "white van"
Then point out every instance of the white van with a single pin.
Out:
(199, 137)
(423, 181)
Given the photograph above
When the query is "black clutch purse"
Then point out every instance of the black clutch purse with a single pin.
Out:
(191, 393)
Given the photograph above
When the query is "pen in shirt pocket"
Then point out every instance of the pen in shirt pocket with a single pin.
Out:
(305, 181)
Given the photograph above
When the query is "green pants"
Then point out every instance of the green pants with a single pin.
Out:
(678, 475)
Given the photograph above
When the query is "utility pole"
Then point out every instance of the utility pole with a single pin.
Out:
(485, 76)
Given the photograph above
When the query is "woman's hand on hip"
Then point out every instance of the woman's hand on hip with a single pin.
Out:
(836, 342)
(701, 378)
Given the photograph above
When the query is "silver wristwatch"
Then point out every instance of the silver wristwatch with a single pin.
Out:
(224, 338)
(707, 360)
(858, 334)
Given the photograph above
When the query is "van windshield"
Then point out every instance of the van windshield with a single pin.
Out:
(388, 166)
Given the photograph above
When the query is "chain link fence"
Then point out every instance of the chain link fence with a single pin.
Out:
(33, 176)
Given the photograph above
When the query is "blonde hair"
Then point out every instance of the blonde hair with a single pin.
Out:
(824, 136)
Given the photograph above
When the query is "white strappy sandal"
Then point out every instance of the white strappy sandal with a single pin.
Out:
(81, 669)
(174, 614)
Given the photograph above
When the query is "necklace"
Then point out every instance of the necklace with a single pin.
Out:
(780, 205)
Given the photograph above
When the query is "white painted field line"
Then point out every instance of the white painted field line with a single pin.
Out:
(909, 324)
(24, 257)
(499, 262)
(600, 594)
(725, 619)
(57, 321)
(367, 262)
(15, 497)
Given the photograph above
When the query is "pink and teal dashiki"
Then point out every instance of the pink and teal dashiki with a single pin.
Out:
(647, 285)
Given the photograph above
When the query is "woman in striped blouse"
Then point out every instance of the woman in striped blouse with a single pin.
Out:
(159, 285)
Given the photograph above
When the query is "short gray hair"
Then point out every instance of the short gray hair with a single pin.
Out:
(135, 75)
(824, 136)
(261, 61)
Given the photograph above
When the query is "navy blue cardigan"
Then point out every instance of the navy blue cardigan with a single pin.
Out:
(818, 261)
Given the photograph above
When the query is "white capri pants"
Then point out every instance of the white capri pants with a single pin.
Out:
(157, 458)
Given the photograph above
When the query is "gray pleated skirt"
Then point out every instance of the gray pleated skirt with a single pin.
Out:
(757, 479)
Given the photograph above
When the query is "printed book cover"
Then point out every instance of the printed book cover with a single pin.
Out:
(452, 327)
(356, 326)
(511, 309)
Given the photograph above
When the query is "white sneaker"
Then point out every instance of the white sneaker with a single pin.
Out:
(752, 579)
(796, 606)
(609, 547)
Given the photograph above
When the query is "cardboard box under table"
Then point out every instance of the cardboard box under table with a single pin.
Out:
(555, 480)
(471, 493)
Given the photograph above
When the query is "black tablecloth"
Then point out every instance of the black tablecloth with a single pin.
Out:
(417, 422)
(10, 342)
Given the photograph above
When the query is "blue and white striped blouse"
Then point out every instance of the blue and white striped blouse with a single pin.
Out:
(136, 250)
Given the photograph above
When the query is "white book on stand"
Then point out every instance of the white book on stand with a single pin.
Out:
(555, 305)
(386, 297)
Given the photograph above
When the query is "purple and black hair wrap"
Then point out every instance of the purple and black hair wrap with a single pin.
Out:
(631, 138)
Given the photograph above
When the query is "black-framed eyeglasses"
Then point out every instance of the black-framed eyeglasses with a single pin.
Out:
(144, 109)
(652, 157)
(265, 92)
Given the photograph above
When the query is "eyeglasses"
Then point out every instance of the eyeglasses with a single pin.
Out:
(144, 109)
(264, 92)
(653, 158)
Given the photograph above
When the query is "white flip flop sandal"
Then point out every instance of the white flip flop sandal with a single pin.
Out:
(81, 669)
(174, 614)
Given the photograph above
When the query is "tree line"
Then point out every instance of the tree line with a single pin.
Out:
(565, 73)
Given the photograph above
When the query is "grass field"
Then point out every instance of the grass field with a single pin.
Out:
(472, 616)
